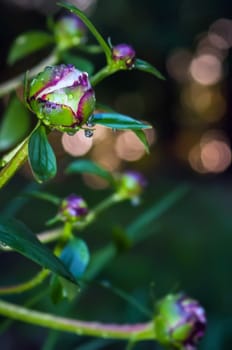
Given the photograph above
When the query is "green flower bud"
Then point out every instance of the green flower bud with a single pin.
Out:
(124, 55)
(69, 31)
(130, 184)
(72, 208)
(62, 97)
(180, 322)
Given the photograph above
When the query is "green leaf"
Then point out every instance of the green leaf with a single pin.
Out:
(41, 156)
(79, 62)
(61, 288)
(18, 237)
(147, 67)
(45, 196)
(90, 26)
(15, 124)
(75, 256)
(118, 121)
(87, 166)
(142, 137)
(28, 43)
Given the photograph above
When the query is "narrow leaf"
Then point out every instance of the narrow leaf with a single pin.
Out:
(118, 121)
(142, 137)
(41, 156)
(18, 237)
(28, 43)
(15, 124)
(147, 67)
(90, 26)
(87, 166)
(45, 196)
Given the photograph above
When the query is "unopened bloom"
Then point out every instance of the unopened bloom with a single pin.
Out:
(124, 54)
(73, 208)
(62, 97)
(69, 31)
(131, 184)
(180, 322)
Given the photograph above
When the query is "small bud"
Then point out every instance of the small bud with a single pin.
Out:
(180, 322)
(72, 208)
(124, 54)
(62, 97)
(131, 184)
(69, 31)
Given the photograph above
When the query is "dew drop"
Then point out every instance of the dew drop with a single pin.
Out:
(89, 122)
(88, 133)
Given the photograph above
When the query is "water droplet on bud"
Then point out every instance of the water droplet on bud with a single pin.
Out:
(89, 122)
(88, 133)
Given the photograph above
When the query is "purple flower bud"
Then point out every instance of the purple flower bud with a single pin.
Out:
(125, 54)
(131, 184)
(73, 208)
(62, 97)
(180, 322)
(69, 31)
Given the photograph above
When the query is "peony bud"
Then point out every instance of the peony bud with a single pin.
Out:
(180, 322)
(131, 184)
(124, 54)
(62, 97)
(69, 31)
(73, 208)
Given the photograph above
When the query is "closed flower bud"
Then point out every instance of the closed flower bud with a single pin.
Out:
(69, 31)
(62, 97)
(72, 208)
(124, 55)
(131, 184)
(180, 322)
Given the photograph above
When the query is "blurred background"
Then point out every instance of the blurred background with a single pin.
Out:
(189, 41)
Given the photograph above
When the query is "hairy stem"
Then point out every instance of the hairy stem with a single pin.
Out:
(143, 331)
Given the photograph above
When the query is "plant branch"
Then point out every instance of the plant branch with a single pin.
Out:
(143, 331)
(13, 84)
(102, 74)
(23, 287)
(14, 164)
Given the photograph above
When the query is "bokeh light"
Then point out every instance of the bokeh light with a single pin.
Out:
(128, 147)
(178, 65)
(207, 103)
(206, 69)
(78, 144)
(212, 154)
(220, 33)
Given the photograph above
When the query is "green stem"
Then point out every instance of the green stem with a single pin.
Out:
(108, 202)
(102, 74)
(13, 84)
(143, 331)
(16, 160)
(14, 164)
(91, 27)
(23, 287)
